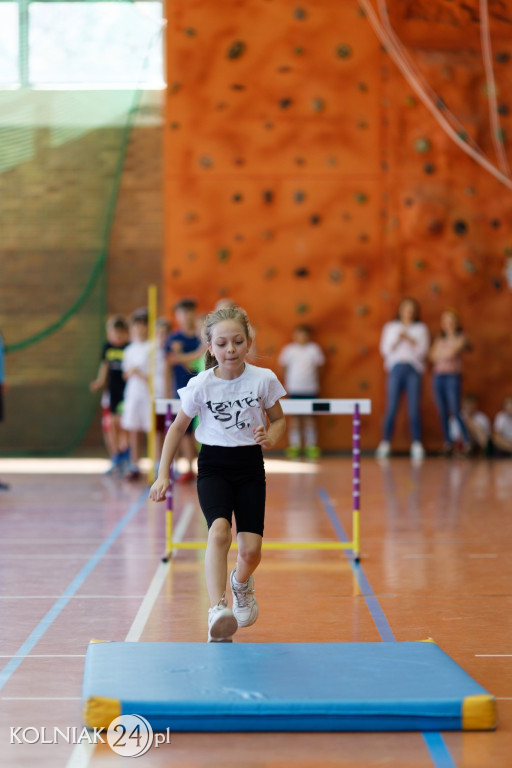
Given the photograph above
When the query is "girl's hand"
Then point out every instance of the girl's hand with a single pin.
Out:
(158, 489)
(262, 437)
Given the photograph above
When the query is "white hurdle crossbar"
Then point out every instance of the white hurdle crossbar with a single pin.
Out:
(320, 407)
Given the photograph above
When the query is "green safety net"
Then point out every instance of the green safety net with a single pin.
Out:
(71, 77)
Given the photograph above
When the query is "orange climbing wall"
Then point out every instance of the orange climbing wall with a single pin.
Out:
(304, 179)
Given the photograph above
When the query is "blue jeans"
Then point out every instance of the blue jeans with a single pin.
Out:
(447, 388)
(403, 377)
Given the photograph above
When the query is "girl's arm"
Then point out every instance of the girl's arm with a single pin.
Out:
(171, 442)
(100, 382)
(267, 437)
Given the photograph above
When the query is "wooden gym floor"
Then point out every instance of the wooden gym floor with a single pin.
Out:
(80, 558)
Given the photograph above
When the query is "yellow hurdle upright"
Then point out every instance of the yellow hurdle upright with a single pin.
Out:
(295, 407)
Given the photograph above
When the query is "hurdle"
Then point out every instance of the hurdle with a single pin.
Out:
(323, 407)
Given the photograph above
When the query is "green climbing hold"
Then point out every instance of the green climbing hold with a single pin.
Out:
(223, 254)
(343, 51)
(318, 105)
(422, 145)
(360, 197)
(302, 308)
(236, 49)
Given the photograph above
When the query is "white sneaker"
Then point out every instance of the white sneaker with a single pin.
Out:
(245, 606)
(222, 624)
(417, 451)
(383, 450)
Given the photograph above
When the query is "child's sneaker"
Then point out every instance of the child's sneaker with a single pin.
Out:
(383, 450)
(417, 451)
(222, 624)
(293, 452)
(312, 451)
(245, 606)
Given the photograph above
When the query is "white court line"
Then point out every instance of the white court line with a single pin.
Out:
(83, 752)
(494, 655)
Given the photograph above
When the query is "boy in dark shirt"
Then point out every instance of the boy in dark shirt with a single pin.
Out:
(110, 378)
(184, 350)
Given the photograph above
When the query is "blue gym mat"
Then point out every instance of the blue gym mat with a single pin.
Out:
(410, 686)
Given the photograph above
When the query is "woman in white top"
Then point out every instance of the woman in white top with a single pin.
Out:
(404, 346)
(239, 414)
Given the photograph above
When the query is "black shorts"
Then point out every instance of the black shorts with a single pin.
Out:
(232, 480)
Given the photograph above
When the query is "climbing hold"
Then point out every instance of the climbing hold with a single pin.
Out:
(462, 135)
(363, 350)
(361, 125)
(236, 49)
(270, 273)
(409, 201)
(422, 145)
(239, 161)
(331, 161)
(343, 51)
(268, 125)
(190, 31)
(362, 87)
(300, 161)
(503, 110)
(496, 283)
(502, 57)
(315, 219)
(436, 226)
(435, 288)
(335, 275)
(420, 264)
(174, 126)
(360, 197)
(191, 255)
(237, 87)
(205, 161)
(223, 254)
(362, 310)
(302, 308)
(299, 196)
(470, 191)
(495, 223)
(318, 104)
(410, 101)
(285, 103)
(268, 196)
(300, 14)
(470, 266)
(363, 237)
(440, 103)
(364, 385)
(237, 197)
(302, 272)
(429, 168)
(176, 273)
(174, 87)
(298, 50)
(460, 227)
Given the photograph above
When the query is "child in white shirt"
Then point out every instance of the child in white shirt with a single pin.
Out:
(301, 361)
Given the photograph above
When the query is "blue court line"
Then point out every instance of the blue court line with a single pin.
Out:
(62, 601)
(436, 745)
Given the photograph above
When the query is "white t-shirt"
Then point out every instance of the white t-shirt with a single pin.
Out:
(302, 362)
(503, 425)
(404, 352)
(229, 410)
(136, 355)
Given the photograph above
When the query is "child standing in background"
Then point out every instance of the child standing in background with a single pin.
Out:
(135, 418)
(110, 378)
(184, 349)
(239, 414)
(301, 361)
(162, 383)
